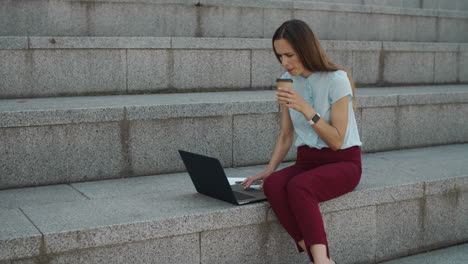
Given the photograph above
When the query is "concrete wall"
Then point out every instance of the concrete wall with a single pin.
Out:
(361, 228)
(242, 18)
(48, 141)
(41, 67)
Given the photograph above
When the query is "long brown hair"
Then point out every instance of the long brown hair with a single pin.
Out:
(307, 45)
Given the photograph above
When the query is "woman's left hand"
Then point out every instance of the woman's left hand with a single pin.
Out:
(291, 99)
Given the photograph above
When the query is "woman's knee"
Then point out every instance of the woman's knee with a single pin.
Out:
(298, 187)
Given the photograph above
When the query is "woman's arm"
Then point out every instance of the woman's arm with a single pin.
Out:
(282, 146)
(284, 141)
(334, 133)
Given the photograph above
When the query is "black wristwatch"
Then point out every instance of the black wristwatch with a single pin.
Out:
(314, 119)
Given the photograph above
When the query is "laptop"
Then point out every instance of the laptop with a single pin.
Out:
(209, 178)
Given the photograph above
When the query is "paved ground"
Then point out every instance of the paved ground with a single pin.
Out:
(451, 255)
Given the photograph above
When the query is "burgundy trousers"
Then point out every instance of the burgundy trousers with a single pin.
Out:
(295, 192)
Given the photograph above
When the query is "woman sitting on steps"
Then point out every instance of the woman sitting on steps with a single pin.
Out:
(319, 110)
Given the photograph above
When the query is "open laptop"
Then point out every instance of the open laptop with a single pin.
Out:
(209, 178)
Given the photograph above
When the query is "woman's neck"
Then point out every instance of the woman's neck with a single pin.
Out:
(306, 74)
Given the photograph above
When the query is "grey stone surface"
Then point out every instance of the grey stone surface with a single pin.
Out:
(415, 28)
(160, 185)
(430, 4)
(99, 42)
(153, 144)
(365, 67)
(379, 129)
(400, 229)
(451, 209)
(351, 234)
(250, 63)
(281, 247)
(64, 110)
(419, 118)
(450, 4)
(411, 95)
(178, 249)
(463, 66)
(248, 3)
(305, 5)
(143, 208)
(455, 255)
(428, 98)
(351, 45)
(448, 27)
(165, 106)
(57, 72)
(78, 72)
(273, 18)
(246, 244)
(174, 108)
(368, 193)
(56, 154)
(13, 66)
(437, 187)
(395, 3)
(194, 69)
(366, 98)
(18, 236)
(88, 224)
(412, 3)
(148, 70)
(420, 47)
(13, 42)
(216, 21)
(117, 18)
(22, 18)
(392, 24)
(254, 138)
(418, 165)
(38, 195)
(220, 43)
(29, 117)
(265, 69)
(342, 58)
(443, 68)
(418, 67)
(114, 19)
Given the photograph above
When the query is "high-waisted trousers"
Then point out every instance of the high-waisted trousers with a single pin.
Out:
(295, 192)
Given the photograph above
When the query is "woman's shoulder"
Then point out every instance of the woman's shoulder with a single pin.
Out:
(336, 75)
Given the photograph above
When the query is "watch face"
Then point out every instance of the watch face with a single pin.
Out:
(316, 118)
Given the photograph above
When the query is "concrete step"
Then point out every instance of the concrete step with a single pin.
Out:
(74, 66)
(70, 139)
(460, 5)
(221, 18)
(408, 201)
(453, 255)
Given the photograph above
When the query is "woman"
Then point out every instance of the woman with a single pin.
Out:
(319, 111)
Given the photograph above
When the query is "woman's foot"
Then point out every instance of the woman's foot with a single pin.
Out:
(332, 261)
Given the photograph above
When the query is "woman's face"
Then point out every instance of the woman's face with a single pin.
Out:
(290, 59)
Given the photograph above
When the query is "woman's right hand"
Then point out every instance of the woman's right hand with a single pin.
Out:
(259, 176)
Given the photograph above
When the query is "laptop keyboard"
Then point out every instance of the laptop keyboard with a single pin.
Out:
(241, 196)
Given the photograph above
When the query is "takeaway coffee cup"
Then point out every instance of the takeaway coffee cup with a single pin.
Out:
(287, 83)
(284, 83)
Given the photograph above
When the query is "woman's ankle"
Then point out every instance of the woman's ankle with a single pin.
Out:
(302, 245)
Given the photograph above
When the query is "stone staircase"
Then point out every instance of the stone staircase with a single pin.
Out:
(96, 97)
